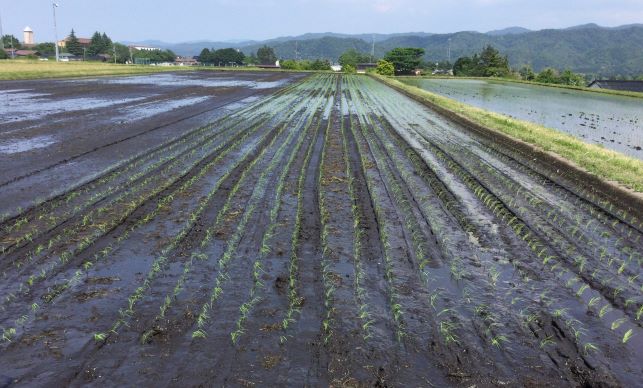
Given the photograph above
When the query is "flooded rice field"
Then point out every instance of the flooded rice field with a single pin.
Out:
(614, 122)
(331, 232)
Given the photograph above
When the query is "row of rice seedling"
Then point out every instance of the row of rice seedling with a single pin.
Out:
(296, 135)
(295, 300)
(398, 179)
(254, 295)
(58, 211)
(582, 215)
(541, 248)
(572, 244)
(571, 323)
(384, 220)
(365, 313)
(55, 291)
(159, 262)
(100, 228)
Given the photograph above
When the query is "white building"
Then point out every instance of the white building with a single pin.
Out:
(27, 36)
(145, 48)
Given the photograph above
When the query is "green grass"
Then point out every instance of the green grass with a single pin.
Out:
(21, 69)
(513, 80)
(606, 164)
(29, 69)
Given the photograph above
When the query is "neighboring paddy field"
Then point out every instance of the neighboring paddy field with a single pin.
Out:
(611, 121)
(246, 229)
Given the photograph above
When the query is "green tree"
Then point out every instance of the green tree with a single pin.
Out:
(290, 64)
(405, 59)
(155, 56)
(73, 45)
(349, 69)
(3, 55)
(205, 56)
(251, 59)
(465, 66)
(548, 76)
(46, 48)
(352, 57)
(489, 63)
(11, 41)
(227, 56)
(385, 68)
(527, 73)
(122, 53)
(568, 77)
(319, 64)
(100, 44)
(492, 64)
(266, 55)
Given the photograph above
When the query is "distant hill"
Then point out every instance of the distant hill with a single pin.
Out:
(508, 31)
(589, 48)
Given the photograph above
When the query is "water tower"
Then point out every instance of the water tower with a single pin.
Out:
(28, 36)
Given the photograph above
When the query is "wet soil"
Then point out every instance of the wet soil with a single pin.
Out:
(281, 231)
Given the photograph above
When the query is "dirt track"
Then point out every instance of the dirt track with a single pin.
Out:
(333, 232)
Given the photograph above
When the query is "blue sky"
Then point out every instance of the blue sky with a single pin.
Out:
(191, 20)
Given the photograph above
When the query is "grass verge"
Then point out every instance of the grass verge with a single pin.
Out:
(30, 69)
(606, 164)
(21, 69)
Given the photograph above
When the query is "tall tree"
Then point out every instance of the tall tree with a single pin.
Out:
(352, 57)
(100, 44)
(492, 63)
(405, 59)
(205, 56)
(266, 55)
(11, 41)
(227, 56)
(385, 68)
(489, 63)
(73, 45)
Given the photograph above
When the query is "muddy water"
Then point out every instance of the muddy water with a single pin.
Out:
(615, 122)
(179, 80)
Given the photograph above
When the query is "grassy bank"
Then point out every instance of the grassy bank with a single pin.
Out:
(22, 69)
(606, 164)
(517, 81)
(30, 69)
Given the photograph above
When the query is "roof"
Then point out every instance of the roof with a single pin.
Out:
(28, 29)
(630, 86)
(80, 40)
(24, 53)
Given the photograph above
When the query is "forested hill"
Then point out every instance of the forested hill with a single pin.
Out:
(588, 49)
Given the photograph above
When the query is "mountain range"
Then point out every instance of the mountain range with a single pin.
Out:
(588, 48)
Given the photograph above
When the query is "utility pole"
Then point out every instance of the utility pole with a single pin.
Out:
(114, 48)
(373, 48)
(449, 51)
(55, 5)
(1, 35)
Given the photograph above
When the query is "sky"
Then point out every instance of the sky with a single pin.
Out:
(227, 20)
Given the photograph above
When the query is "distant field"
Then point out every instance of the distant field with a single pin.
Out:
(22, 69)
(559, 86)
(13, 70)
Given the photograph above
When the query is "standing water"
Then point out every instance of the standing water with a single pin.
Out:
(615, 122)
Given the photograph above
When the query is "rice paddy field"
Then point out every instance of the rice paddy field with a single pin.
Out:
(275, 229)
